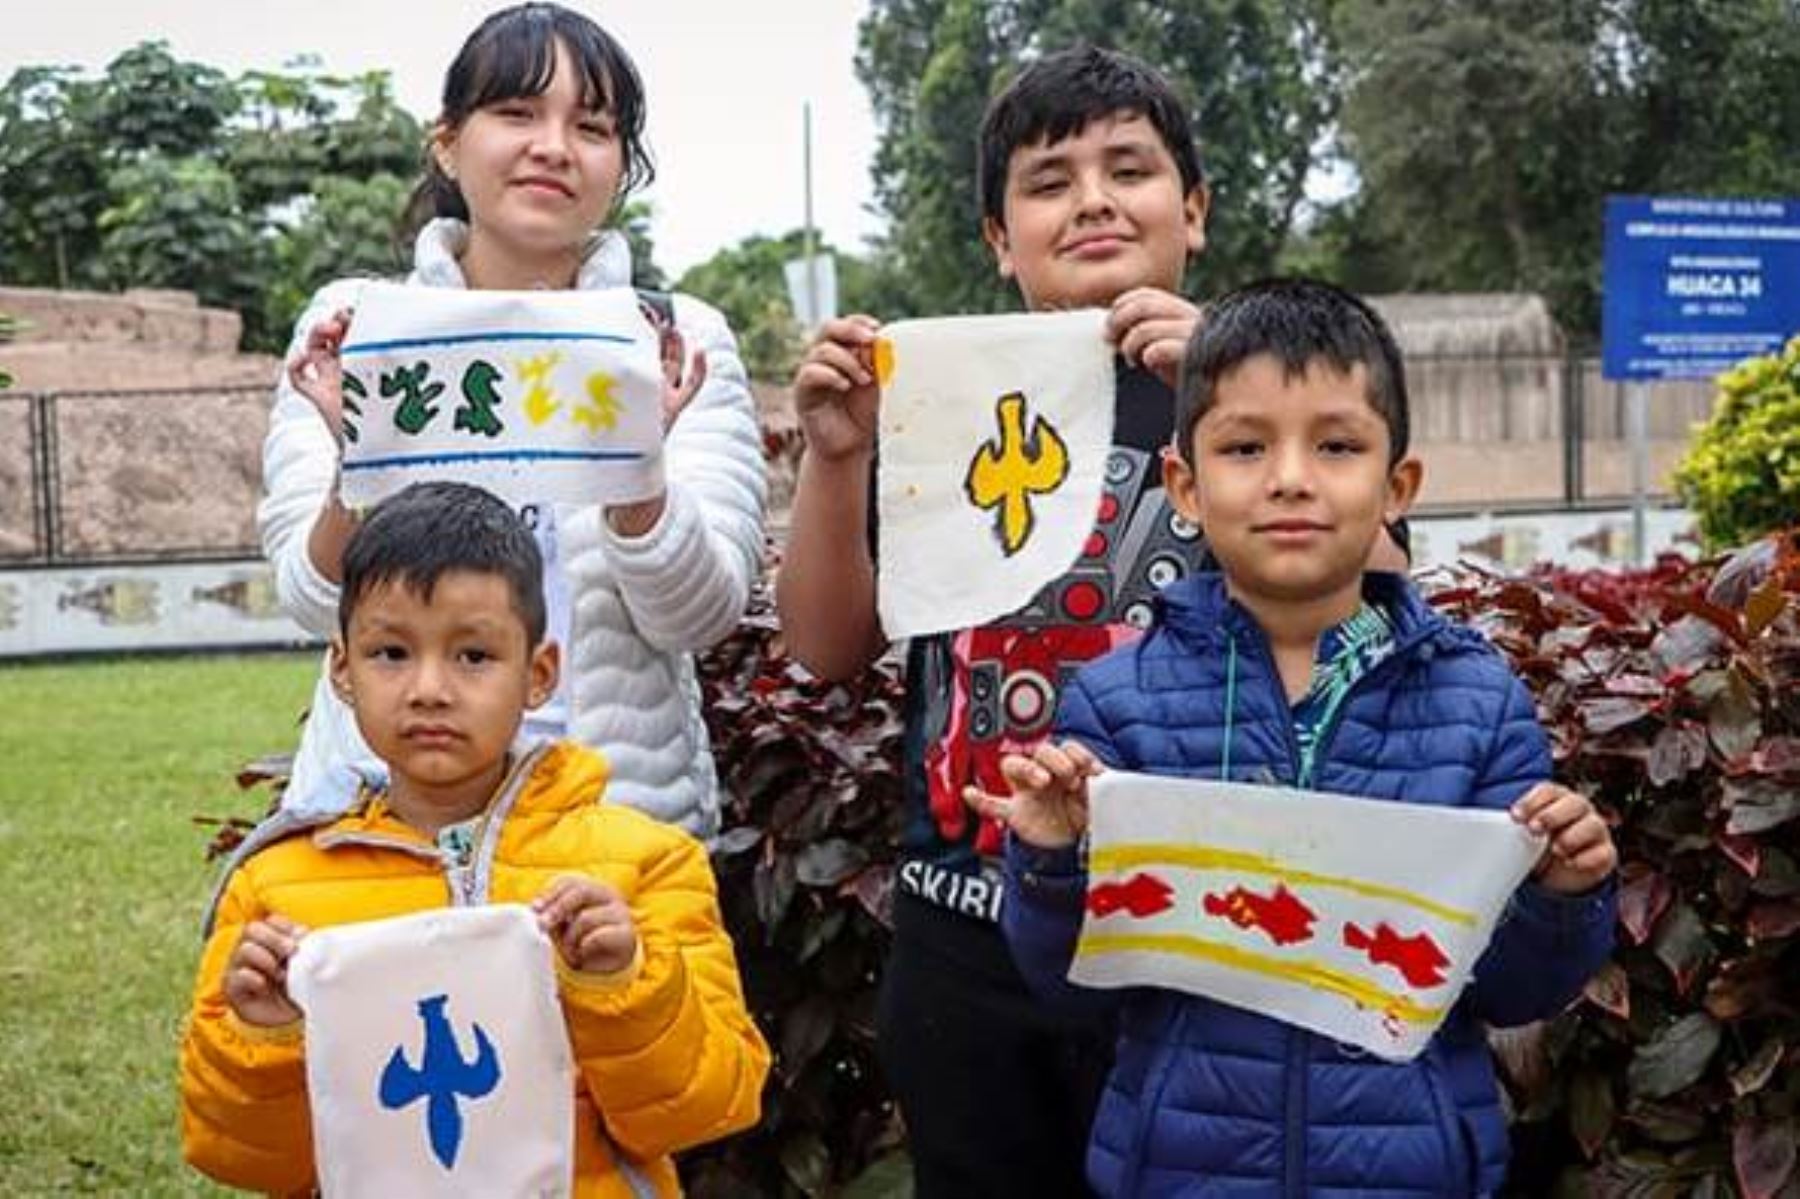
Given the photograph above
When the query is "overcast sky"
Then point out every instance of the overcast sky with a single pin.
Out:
(726, 79)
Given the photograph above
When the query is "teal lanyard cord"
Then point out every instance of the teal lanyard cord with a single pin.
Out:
(1230, 707)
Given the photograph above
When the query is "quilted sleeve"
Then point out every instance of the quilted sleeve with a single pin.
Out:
(670, 1056)
(1546, 945)
(244, 1115)
(299, 462)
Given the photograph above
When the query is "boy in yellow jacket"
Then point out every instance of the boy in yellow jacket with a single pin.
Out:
(441, 651)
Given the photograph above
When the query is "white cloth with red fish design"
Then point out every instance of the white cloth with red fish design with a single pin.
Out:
(993, 440)
(1355, 918)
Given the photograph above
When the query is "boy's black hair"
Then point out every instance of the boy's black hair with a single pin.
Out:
(417, 536)
(513, 54)
(1061, 94)
(1298, 322)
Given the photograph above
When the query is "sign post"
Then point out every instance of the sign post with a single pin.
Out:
(1692, 286)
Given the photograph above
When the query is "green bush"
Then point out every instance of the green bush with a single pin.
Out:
(1742, 476)
(1673, 697)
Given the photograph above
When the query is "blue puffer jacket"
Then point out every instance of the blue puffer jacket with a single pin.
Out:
(1210, 1100)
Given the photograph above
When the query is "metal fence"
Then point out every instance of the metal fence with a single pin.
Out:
(130, 476)
(136, 476)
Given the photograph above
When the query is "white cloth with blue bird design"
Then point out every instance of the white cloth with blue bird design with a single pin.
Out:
(437, 1059)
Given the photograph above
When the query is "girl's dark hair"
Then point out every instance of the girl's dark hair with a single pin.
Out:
(513, 54)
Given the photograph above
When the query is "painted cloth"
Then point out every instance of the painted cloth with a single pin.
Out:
(975, 695)
(666, 1057)
(629, 612)
(1209, 1100)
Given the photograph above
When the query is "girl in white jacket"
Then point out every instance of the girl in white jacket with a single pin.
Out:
(540, 138)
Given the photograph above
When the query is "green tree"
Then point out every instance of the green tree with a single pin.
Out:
(1257, 74)
(177, 222)
(346, 227)
(165, 173)
(633, 220)
(151, 101)
(747, 284)
(52, 176)
(1537, 110)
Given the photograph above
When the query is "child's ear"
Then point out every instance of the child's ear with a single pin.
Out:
(545, 670)
(1195, 209)
(1182, 486)
(1404, 481)
(994, 234)
(339, 670)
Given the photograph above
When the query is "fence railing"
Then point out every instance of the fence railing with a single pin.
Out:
(130, 476)
(136, 476)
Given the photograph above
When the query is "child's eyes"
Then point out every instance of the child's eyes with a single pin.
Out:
(1131, 174)
(1045, 186)
(476, 656)
(513, 111)
(388, 653)
(1240, 449)
(597, 127)
(1339, 447)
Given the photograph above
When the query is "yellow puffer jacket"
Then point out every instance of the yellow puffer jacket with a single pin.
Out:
(666, 1058)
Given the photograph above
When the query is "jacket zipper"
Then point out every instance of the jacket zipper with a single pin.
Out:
(477, 879)
(1293, 1142)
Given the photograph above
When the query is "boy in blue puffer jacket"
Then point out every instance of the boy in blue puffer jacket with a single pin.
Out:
(1295, 667)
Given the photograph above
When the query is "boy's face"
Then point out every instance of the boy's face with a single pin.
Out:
(1096, 214)
(1290, 480)
(439, 688)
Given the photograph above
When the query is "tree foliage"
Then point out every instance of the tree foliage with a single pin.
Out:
(164, 173)
(1255, 73)
(747, 284)
(1487, 138)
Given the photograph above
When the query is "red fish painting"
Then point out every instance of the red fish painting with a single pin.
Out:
(1417, 958)
(1281, 914)
(1141, 895)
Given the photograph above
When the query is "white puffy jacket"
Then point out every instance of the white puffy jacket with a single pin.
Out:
(638, 606)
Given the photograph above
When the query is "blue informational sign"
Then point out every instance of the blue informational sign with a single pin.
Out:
(1693, 286)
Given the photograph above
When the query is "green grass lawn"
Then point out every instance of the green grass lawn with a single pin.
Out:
(102, 881)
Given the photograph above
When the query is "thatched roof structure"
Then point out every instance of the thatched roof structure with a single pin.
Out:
(1471, 325)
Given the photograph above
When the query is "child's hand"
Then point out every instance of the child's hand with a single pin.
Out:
(256, 975)
(1580, 854)
(317, 371)
(1048, 807)
(1151, 327)
(590, 923)
(835, 394)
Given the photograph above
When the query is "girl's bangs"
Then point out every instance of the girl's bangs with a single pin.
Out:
(524, 63)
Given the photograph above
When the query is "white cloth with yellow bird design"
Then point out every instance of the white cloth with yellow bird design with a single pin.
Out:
(994, 435)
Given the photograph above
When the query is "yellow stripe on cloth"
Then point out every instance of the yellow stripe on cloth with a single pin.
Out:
(1118, 858)
(1305, 972)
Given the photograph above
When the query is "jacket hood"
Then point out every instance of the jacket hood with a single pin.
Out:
(606, 262)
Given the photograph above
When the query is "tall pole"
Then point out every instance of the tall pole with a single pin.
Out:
(811, 241)
(1637, 417)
